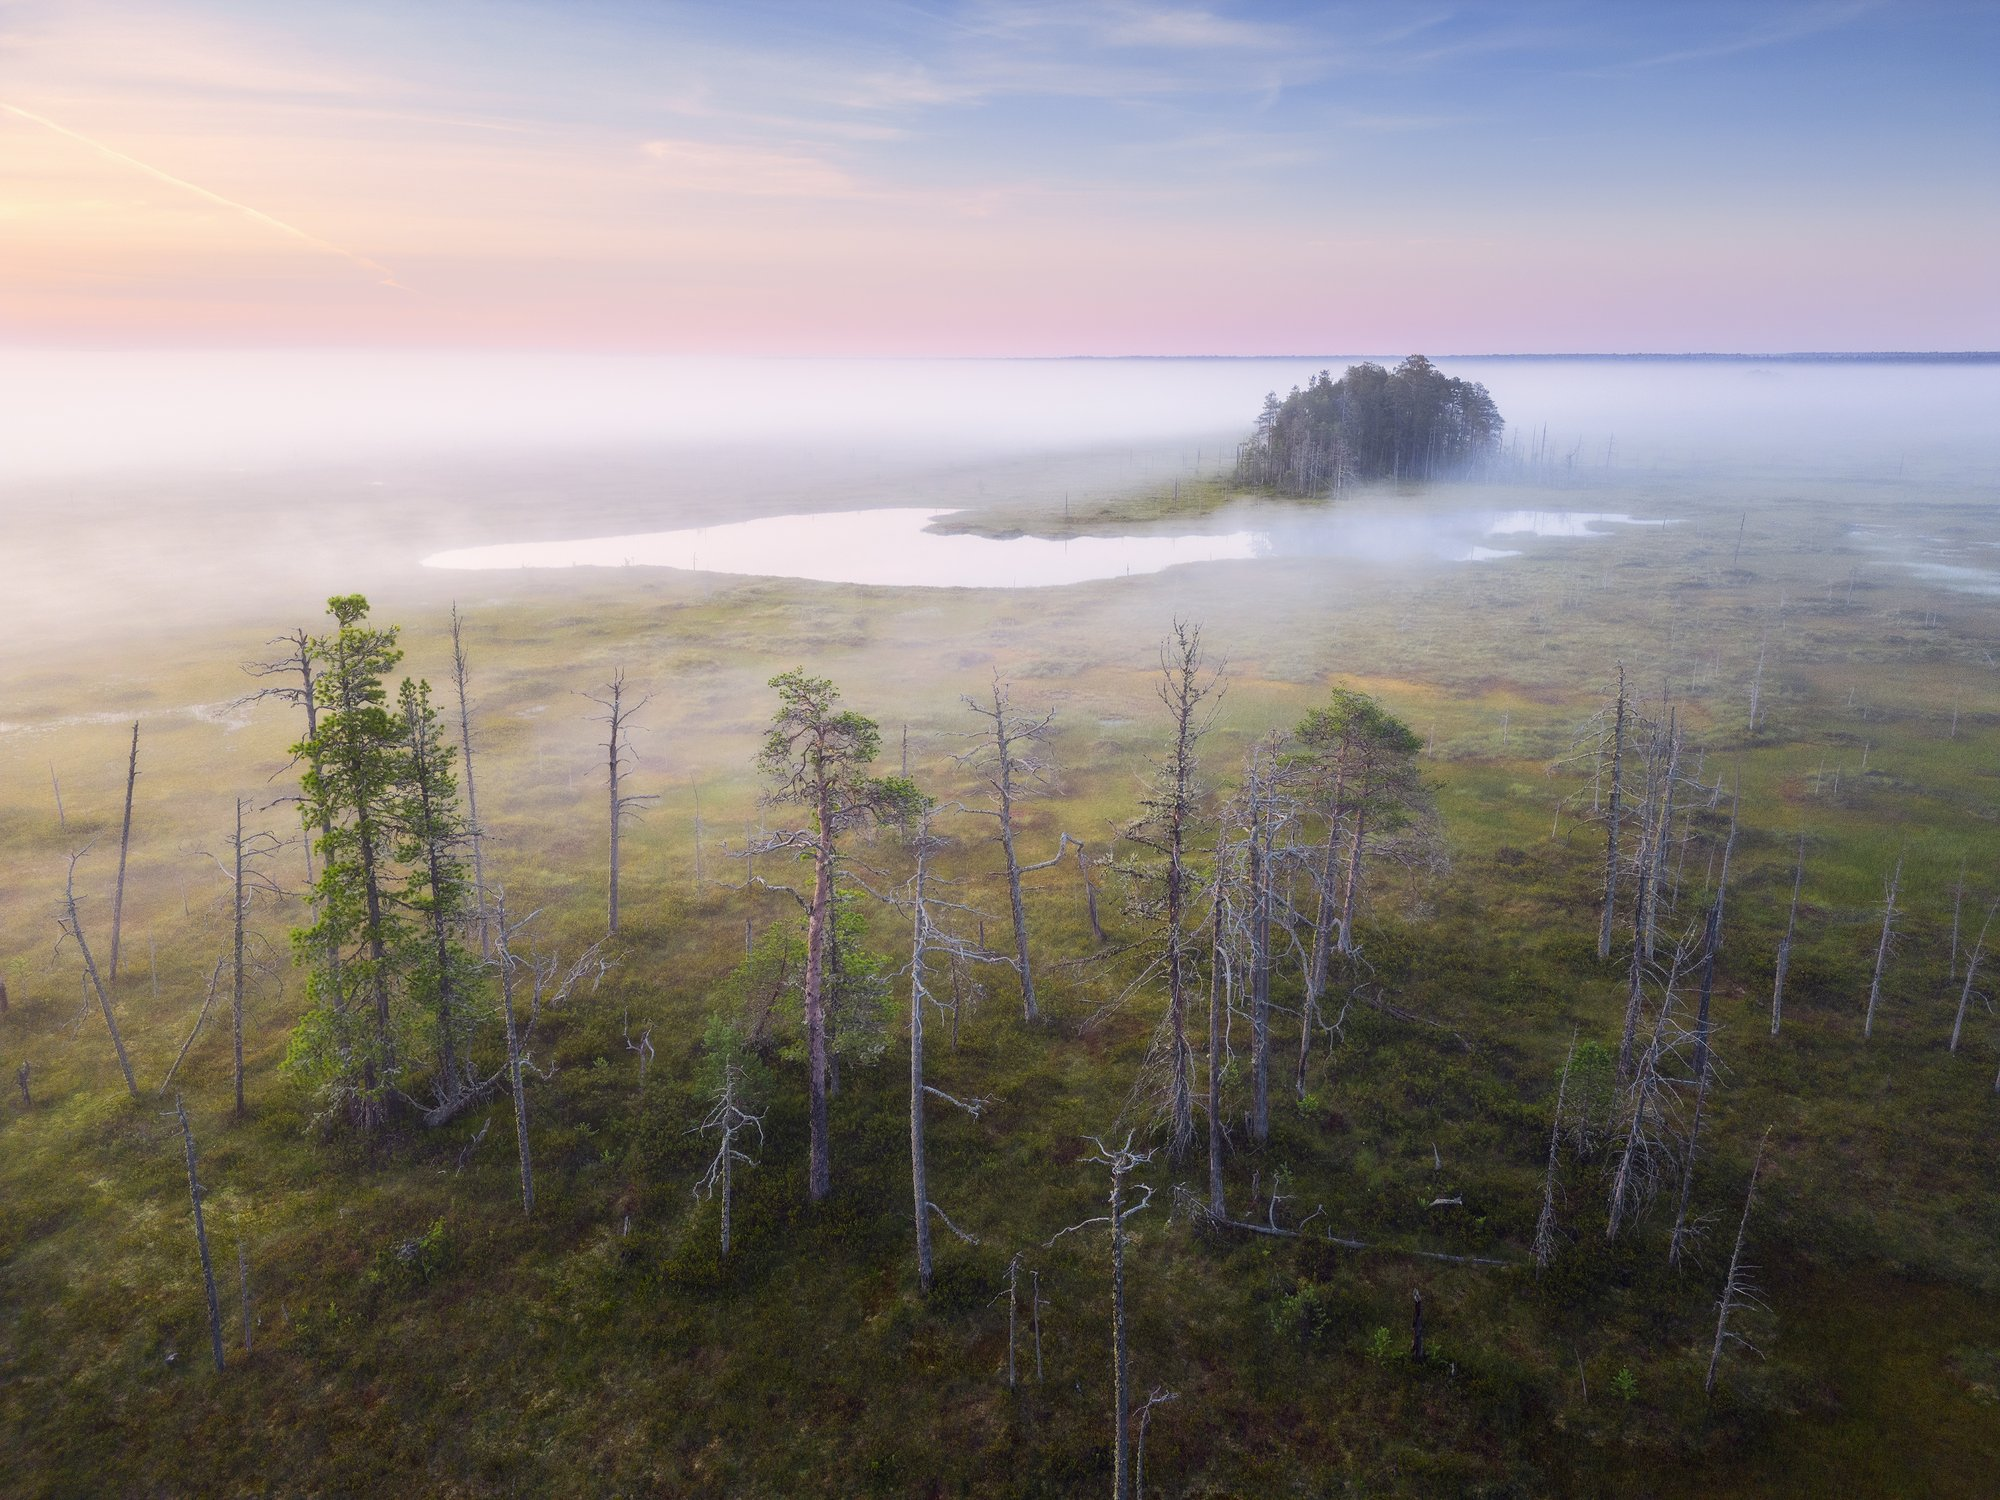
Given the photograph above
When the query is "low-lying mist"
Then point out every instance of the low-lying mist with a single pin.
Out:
(182, 487)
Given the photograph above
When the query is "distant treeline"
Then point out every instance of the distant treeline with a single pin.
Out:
(1413, 422)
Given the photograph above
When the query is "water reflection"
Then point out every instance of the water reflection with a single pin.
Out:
(897, 547)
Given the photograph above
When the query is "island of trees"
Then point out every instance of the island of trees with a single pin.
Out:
(1412, 422)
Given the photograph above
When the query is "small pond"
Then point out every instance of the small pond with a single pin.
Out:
(897, 547)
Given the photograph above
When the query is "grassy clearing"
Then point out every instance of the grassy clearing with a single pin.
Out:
(601, 1347)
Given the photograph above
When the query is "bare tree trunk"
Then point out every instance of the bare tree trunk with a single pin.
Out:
(458, 673)
(617, 694)
(1733, 1286)
(1322, 943)
(74, 926)
(819, 937)
(124, 846)
(1785, 946)
(1971, 973)
(919, 1177)
(1701, 1035)
(1611, 837)
(201, 1238)
(1260, 964)
(1545, 1225)
(1882, 950)
(62, 818)
(1353, 882)
(617, 717)
(1089, 895)
(1121, 1368)
(236, 959)
(1635, 990)
(1217, 978)
(514, 1080)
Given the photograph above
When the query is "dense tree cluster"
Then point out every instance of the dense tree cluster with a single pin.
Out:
(1413, 422)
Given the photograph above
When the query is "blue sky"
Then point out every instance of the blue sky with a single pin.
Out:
(1002, 178)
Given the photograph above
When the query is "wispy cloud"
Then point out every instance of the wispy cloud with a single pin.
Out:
(1773, 33)
(373, 267)
(748, 171)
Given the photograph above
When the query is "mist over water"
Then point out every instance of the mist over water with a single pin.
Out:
(172, 484)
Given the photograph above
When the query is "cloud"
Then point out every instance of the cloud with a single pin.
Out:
(373, 267)
(1795, 28)
(748, 171)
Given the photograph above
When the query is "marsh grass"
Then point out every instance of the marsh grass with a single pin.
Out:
(603, 1346)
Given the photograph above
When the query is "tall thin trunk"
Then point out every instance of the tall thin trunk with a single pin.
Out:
(1701, 1036)
(1217, 978)
(1089, 895)
(236, 960)
(124, 846)
(1732, 1286)
(514, 1080)
(1611, 836)
(1260, 965)
(1121, 1372)
(75, 925)
(819, 923)
(1971, 972)
(458, 672)
(201, 1237)
(611, 750)
(1882, 950)
(1785, 946)
(919, 1179)
(1353, 881)
(1545, 1224)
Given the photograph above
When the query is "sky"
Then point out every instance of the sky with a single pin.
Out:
(1093, 177)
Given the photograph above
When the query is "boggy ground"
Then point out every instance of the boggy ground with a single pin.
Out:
(603, 1347)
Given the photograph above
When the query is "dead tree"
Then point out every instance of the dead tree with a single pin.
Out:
(297, 661)
(1545, 1225)
(1013, 1296)
(551, 983)
(1159, 1396)
(926, 939)
(1011, 758)
(727, 1119)
(1646, 1112)
(72, 926)
(124, 847)
(1611, 821)
(62, 818)
(1089, 894)
(1190, 690)
(21, 1080)
(1121, 1161)
(1258, 868)
(458, 677)
(1971, 973)
(207, 999)
(1882, 948)
(245, 882)
(201, 1237)
(1736, 1287)
(617, 717)
(1712, 942)
(1218, 1001)
(1785, 944)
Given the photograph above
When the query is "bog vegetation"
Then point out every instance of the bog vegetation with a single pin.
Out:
(1207, 1080)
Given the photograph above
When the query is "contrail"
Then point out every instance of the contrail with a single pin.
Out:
(373, 267)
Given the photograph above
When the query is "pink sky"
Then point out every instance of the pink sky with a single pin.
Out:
(1108, 178)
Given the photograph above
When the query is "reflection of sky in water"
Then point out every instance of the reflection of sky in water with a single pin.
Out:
(896, 548)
